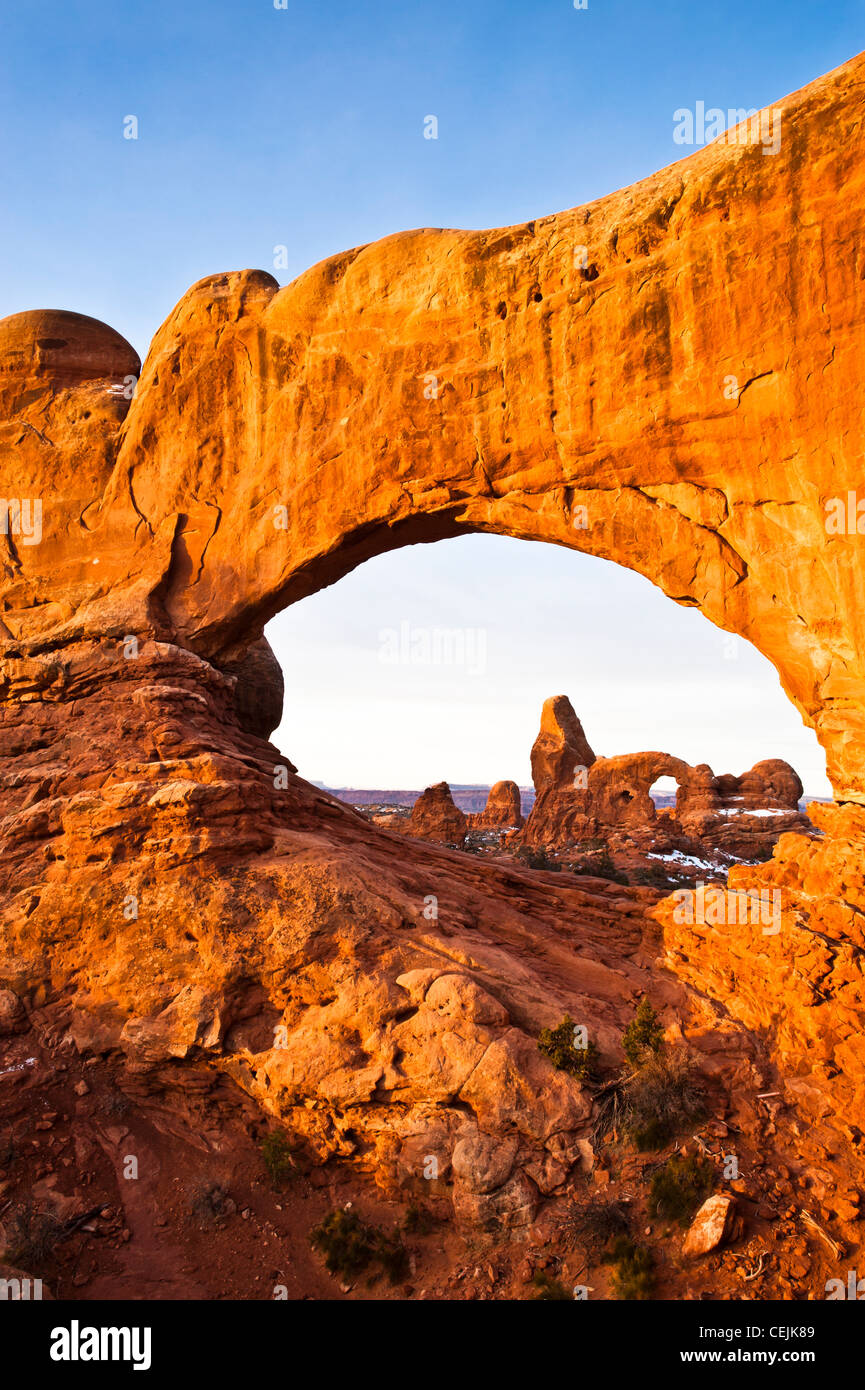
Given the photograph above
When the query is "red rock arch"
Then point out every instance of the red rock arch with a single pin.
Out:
(548, 392)
(440, 382)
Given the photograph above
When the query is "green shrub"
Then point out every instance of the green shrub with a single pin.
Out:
(633, 1270)
(680, 1187)
(659, 1100)
(601, 866)
(644, 1035)
(393, 1257)
(559, 1045)
(539, 859)
(548, 1289)
(417, 1220)
(349, 1246)
(604, 866)
(31, 1235)
(278, 1156)
(653, 877)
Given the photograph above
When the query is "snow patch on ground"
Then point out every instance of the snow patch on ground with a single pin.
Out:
(677, 857)
(20, 1066)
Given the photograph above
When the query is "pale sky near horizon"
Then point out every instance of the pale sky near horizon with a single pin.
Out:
(373, 701)
(302, 127)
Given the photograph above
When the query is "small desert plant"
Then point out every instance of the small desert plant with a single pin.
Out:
(654, 877)
(392, 1256)
(561, 1047)
(598, 1225)
(548, 1289)
(10, 1149)
(417, 1220)
(604, 865)
(31, 1235)
(680, 1186)
(349, 1246)
(278, 1155)
(539, 859)
(116, 1105)
(633, 1270)
(600, 866)
(659, 1100)
(643, 1036)
(207, 1203)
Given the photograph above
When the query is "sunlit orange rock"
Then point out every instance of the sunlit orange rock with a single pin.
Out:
(173, 895)
(435, 816)
(661, 413)
(502, 811)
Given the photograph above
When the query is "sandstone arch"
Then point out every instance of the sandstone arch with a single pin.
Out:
(439, 382)
(619, 787)
(408, 981)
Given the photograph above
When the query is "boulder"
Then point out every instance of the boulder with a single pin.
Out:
(483, 1162)
(12, 1016)
(712, 1225)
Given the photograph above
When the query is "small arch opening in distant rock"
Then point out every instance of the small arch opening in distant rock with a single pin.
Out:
(664, 791)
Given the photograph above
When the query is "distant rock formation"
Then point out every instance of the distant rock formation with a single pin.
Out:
(561, 747)
(502, 811)
(435, 816)
(580, 796)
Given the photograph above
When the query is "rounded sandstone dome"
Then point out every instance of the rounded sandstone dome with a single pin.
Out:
(55, 347)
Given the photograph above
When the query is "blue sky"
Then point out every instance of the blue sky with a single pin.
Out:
(303, 127)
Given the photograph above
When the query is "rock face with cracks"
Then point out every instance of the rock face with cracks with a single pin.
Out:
(172, 892)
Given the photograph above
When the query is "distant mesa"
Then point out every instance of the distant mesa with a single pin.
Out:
(471, 797)
(436, 816)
